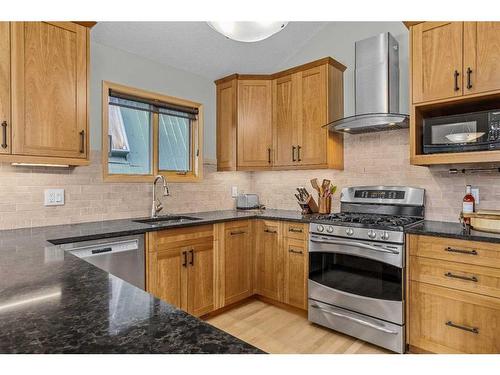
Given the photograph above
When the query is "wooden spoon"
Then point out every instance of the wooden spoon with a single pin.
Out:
(315, 185)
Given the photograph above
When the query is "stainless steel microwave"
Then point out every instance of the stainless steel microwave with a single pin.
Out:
(475, 131)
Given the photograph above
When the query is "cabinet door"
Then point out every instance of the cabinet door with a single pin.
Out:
(254, 124)
(238, 263)
(437, 60)
(226, 125)
(168, 276)
(49, 81)
(296, 272)
(481, 57)
(200, 288)
(313, 115)
(269, 260)
(285, 124)
(5, 124)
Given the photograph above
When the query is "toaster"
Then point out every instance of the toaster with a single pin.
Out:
(247, 202)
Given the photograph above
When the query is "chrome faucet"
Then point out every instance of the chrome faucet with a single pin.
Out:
(157, 206)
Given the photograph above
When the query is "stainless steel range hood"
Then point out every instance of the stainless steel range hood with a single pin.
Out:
(376, 88)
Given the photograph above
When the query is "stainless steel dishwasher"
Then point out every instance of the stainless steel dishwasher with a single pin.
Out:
(120, 256)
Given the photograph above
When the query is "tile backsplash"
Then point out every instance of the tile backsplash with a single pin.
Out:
(370, 159)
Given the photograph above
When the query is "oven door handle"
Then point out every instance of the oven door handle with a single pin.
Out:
(356, 320)
(355, 244)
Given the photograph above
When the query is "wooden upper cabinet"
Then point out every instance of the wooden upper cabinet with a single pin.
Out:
(226, 125)
(312, 91)
(285, 108)
(481, 57)
(5, 123)
(49, 89)
(254, 124)
(437, 61)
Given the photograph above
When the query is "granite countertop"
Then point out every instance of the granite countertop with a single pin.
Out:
(451, 230)
(54, 302)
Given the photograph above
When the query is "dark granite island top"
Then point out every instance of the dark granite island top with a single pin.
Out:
(54, 302)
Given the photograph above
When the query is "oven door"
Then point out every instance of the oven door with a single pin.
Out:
(361, 276)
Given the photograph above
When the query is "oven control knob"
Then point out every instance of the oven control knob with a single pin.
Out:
(349, 231)
(384, 236)
(329, 229)
(320, 228)
(372, 234)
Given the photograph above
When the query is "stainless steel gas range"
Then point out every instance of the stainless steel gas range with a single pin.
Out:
(357, 263)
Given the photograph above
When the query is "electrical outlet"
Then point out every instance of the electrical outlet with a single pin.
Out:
(475, 194)
(54, 197)
(234, 191)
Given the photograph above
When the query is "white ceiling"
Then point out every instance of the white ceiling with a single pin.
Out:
(197, 48)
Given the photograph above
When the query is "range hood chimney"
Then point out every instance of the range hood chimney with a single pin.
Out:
(376, 88)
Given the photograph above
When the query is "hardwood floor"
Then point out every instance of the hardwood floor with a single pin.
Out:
(284, 331)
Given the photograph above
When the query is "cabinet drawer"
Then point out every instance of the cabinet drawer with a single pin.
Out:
(470, 278)
(170, 238)
(296, 230)
(443, 320)
(470, 252)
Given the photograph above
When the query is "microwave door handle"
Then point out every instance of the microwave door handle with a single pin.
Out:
(355, 244)
(356, 320)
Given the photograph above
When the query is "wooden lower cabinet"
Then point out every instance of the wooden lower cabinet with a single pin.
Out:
(269, 259)
(181, 268)
(444, 320)
(296, 272)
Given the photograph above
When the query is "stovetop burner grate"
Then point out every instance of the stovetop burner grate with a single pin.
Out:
(368, 220)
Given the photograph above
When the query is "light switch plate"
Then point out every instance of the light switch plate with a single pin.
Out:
(234, 191)
(54, 197)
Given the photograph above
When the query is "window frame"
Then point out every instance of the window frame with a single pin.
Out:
(196, 137)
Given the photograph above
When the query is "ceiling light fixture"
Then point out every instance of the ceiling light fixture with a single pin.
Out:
(247, 31)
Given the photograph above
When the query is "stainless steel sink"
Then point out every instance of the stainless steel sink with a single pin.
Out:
(167, 219)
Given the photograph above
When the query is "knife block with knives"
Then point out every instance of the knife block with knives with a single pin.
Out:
(306, 201)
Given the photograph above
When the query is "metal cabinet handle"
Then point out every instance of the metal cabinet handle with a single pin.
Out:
(475, 330)
(469, 80)
(293, 153)
(269, 155)
(294, 230)
(298, 153)
(456, 74)
(356, 320)
(192, 257)
(104, 250)
(235, 233)
(460, 251)
(354, 244)
(270, 231)
(467, 278)
(82, 141)
(184, 264)
(295, 251)
(4, 134)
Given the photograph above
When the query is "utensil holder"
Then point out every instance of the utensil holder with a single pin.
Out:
(325, 205)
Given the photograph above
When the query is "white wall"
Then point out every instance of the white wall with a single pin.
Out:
(111, 64)
(337, 40)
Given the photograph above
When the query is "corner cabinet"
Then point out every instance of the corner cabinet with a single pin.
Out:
(48, 81)
(275, 122)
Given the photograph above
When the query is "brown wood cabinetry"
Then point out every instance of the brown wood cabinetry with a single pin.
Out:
(278, 118)
(454, 69)
(269, 259)
(296, 265)
(48, 77)
(5, 123)
(181, 268)
(453, 295)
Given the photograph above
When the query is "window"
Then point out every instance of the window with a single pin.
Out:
(145, 134)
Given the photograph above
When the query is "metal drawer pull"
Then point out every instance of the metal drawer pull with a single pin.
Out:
(192, 257)
(82, 141)
(356, 320)
(235, 233)
(455, 75)
(469, 81)
(269, 155)
(293, 153)
(460, 251)
(295, 230)
(356, 244)
(4, 134)
(465, 328)
(184, 264)
(298, 153)
(270, 231)
(472, 278)
(295, 251)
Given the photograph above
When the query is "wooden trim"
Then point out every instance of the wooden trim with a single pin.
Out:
(325, 60)
(88, 24)
(9, 158)
(195, 175)
(409, 24)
